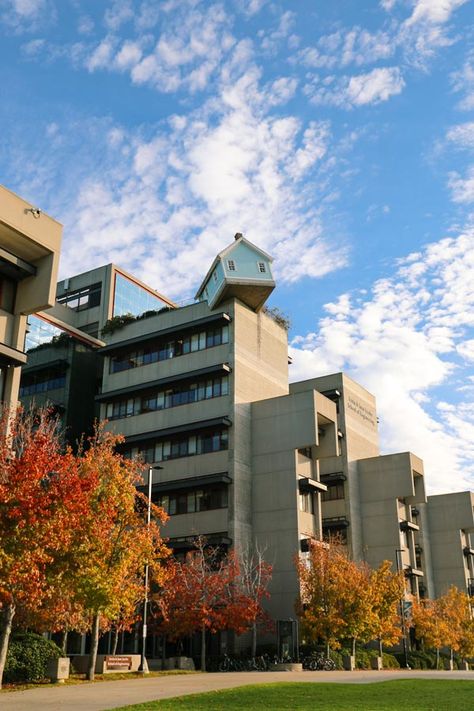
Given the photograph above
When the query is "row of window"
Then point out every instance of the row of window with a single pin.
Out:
(42, 386)
(334, 492)
(182, 446)
(163, 350)
(183, 502)
(170, 397)
(82, 299)
(231, 266)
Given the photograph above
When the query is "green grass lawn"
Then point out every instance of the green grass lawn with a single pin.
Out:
(402, 695)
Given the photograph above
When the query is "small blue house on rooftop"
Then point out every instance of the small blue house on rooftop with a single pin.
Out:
(241, 270)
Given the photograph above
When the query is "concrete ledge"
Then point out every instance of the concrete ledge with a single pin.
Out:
(287, 666)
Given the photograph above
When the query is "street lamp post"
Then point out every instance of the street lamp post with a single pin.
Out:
(143, 662)
(398, 554)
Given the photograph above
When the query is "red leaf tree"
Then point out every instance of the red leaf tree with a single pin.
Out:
(203, 593)
(43, 500)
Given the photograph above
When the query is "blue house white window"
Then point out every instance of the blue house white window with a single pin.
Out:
(261, 267)
(231, 265)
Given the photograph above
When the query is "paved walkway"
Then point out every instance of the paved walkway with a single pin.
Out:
(112, 694)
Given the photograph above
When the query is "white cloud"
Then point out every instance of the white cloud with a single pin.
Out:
(462, 189)
(359, 90)
(434, 11)
(374, 87)
(25, 16)
(403, 341)
(463, 82)
(466, 350)
(462, 135)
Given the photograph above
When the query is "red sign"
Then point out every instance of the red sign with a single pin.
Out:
(118, 662)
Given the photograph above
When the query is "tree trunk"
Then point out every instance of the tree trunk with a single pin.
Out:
(163, 651)
(254, 640)
(63, 642)
(94, 646)
(437, 658)
(5, 631)
(353, 646)
(203, 649)
(115, 636)
(380, 647)
(327, 650)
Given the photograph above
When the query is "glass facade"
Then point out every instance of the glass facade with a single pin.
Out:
(82, 299)
(182, 446)
(40, 332)
(163, 350)
(171, 396)
(44, 382)
(194, 500)
(130, 298)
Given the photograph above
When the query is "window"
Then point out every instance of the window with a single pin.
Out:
(261, 267)
(171, 397)
(214, 276)
(306, 502)
(131, 298)
(334, 492)
(42, 385)
(82, 299)
(231, 265)
(194, 500)
(183, 446)
(164, 350)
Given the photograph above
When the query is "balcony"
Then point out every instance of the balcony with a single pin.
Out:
(333, 478)
(411, 572)
(467, 550)
(408, 526)
(308, 486)
(470, 587)
(335, 523)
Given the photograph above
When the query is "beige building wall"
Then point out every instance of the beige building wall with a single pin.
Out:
(30, 244)
(358, 438)
(450, 537)
(391, 490)
(291, 436)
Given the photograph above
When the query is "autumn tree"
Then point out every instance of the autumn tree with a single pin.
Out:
(43, 501)
(203, 593)
(114, 542)
(386, 591)
(322, 578)
(255, 577)
(455, 611)
(429, 626)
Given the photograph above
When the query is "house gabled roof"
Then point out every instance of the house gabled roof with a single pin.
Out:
(227, 250)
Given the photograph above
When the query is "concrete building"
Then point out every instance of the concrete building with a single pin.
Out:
(63, 369)
(371, 499)
(30, 243)
(203, 392)
(449, 526)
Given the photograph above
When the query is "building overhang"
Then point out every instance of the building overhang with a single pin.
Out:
(333, 477)
(157, 435)
(307, 486)
(187, 543)
(408, 526)
(11, 356)
(195, 482)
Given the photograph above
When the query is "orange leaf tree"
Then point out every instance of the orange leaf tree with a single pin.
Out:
(204, 593)
(430, 627)
(386, 591)
(322, 578)
(43, 501)
(114, 542)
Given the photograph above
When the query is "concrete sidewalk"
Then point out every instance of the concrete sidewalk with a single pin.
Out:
(112, 694)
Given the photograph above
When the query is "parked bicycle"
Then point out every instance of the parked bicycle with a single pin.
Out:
(318, 662)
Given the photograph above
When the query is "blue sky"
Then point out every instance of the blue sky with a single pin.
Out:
(337, 136)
